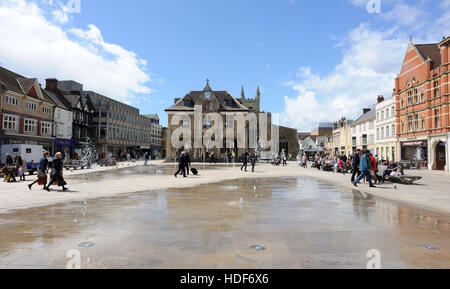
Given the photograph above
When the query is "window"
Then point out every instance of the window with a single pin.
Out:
(403, 127)
(393, 130)
(387, 113)
(382, 115)
(46, 110)
(410, 123)
(30, 126)
(424, 126)
(416, 123)
(409, 97)
(188, 103)
(438, 120)
(12, 100)
(378, 116)
(393, 111)
(378, 133)
(436, 89)
(46, 128)
(31, 106)
(422, 96)
(382, 132)
(387, 132)
(10, 122)
(416, 96)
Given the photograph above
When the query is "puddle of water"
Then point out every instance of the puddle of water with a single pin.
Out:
(305, 223)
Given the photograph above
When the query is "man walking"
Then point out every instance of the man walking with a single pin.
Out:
(187, 164)
(244, 161)
(146, 157)
(253, 161)
(355, 165)
(364, 166)
(181, 165)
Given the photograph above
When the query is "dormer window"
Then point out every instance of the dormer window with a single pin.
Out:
(229, 103)
(188, 103)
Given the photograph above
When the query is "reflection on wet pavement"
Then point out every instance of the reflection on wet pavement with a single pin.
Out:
(131, 171)
(264, 223)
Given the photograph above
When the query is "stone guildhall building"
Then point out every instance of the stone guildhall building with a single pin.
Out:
(223, 103)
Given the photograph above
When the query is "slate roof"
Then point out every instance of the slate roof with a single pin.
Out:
(432, 51)
(57, 100)
(196, 97)
(371, 115)
(19, 83)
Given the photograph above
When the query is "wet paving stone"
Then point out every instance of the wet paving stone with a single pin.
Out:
(292, 223)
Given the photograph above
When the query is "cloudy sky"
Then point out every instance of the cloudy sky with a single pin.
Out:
(314, 60)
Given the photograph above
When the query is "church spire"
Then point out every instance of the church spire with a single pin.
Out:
(258, 93)
(242, 93)
(207, 87)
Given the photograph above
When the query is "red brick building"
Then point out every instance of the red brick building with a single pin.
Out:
(422, 102)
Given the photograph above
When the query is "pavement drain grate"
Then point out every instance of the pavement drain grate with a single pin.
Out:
(87, 245)
(430, 247)
(258, 248)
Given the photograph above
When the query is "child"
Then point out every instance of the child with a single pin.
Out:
(341, 166)
(21, 174)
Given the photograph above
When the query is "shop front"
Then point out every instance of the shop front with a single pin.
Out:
(64, 146)
(415, 153)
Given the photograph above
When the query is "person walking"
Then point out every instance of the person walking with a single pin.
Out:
(56, 174)
(181, 165)
(41, 171)
(146, 158)
(364, 166)
(356, 160)
(284, 158)
(244, 161)
(375, 169)
(212, 158)
(67, 159)
(253, 160)
(305, 161)
(187, 164)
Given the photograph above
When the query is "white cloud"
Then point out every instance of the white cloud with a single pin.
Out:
(371, 60)
(36, 47)
(368, 69)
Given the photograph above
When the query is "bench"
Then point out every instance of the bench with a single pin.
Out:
(405, 180)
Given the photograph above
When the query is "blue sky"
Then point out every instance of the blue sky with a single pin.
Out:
(314, 60)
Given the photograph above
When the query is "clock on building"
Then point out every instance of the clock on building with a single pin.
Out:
(207, 95)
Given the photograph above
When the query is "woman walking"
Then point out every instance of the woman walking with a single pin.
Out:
(56, 174)
(41, 171)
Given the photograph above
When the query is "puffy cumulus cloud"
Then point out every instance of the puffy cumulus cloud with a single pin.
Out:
(371, 60)
(37, 47)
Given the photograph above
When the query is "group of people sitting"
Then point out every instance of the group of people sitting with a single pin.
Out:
(15, 167)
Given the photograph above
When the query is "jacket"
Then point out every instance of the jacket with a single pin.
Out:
(356, 161)
(57, 167)
(43, 164)
(364, 164)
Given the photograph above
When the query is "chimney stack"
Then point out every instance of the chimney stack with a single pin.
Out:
(366, 110)
(51, 84)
